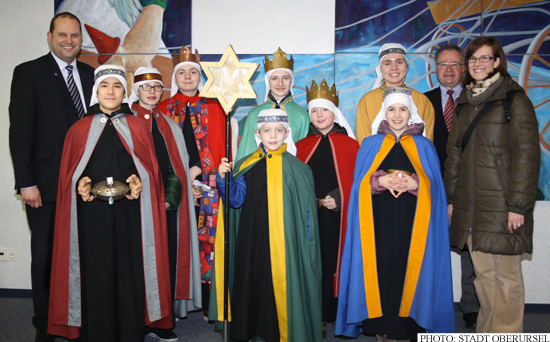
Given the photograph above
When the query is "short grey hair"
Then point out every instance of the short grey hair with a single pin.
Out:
(450, 47)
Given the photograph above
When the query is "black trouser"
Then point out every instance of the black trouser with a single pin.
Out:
(41, 223)
(468, 300)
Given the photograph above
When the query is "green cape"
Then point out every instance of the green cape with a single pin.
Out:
(302, 258)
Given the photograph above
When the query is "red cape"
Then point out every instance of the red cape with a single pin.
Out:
(344, 152)
(183, 269)
(64, 310)
(215, 124)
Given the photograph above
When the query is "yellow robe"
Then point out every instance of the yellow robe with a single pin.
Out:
(370, 104)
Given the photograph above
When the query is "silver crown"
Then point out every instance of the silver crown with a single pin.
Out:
(397, 90)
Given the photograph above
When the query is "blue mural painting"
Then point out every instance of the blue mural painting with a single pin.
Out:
(523, 27)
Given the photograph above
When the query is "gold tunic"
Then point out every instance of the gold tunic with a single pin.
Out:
(369, 107)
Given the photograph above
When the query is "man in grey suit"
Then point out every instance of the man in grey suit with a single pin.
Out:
(449, 66)
(48, 95)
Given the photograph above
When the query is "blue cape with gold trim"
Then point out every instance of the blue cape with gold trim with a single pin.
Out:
(428, 291)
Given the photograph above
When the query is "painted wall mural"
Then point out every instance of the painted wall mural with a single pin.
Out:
(522, 26)
(144, 32)
(132, 33)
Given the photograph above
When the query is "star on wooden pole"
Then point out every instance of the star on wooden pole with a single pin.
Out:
(228, 79)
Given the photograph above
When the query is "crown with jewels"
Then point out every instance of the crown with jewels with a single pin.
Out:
(322, 92)
(186, 55)
(279, 61)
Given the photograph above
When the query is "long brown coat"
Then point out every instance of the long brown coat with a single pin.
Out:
(497, 173)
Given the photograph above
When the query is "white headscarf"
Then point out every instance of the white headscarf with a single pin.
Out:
(141, 71)
(385, 50)
(393, 96)
(276, 115)
(268, 76)
(105, 71)
(174, 86)
(338, 117)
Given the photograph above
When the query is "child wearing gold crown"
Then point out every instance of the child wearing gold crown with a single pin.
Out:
(330, 150)
(274, 260)
(395, 277)
(279, 83)
(202, 121)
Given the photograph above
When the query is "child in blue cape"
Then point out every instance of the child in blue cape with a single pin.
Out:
(396, 270)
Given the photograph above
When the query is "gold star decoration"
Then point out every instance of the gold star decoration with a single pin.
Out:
(228, 80)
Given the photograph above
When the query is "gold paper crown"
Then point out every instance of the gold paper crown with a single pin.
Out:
(186, 56)
(322, 92)
(279, 61)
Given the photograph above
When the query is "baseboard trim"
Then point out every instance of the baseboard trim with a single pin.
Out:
(537, 308)
(16, 293)
(529, 308)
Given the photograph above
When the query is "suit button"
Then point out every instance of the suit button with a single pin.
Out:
(269, 155)
(261, 155)
(147, 116)
(116, 121)
(103, 120)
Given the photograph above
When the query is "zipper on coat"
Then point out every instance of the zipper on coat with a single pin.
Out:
(472, 181)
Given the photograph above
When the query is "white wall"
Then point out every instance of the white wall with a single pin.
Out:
(258, 27)
(23, 25)
(298, 26)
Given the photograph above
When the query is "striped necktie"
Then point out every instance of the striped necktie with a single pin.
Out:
(449, 109)
(75, 94)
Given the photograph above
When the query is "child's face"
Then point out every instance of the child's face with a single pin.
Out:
(398, 117)
(272, 135)
(279, 83)
(322, 119)
(188, 79)
(394, 69)
(110, 94)
(149, 97)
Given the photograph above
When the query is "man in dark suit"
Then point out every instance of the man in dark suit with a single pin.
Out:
(48, 95)
(449, 66)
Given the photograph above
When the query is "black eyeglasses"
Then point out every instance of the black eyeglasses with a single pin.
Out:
(482, 59)
(146, 87)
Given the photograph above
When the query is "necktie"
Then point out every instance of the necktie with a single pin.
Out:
(449, 109)
(75, 94)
